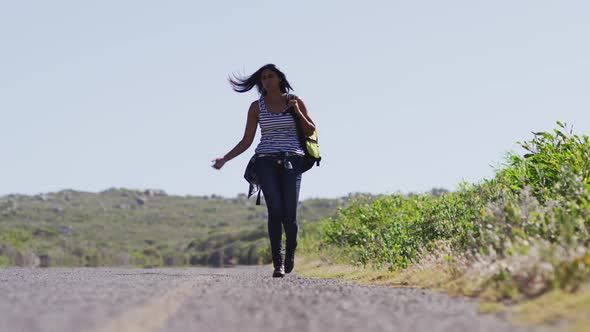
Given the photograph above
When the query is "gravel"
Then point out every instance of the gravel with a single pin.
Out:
(232, 299)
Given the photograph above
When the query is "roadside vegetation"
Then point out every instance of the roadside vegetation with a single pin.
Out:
(523, 234)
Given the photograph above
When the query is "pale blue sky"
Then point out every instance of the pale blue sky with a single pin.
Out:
(407, 95)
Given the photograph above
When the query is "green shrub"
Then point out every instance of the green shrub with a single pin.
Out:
(16, 238)
(549, 155)
(543, 195)
(5, 261)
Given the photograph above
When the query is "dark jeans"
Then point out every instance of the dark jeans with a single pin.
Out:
(280, 186)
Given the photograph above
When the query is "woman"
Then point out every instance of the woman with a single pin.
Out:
(279, 155)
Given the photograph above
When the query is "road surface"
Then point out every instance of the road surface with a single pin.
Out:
(232, 299)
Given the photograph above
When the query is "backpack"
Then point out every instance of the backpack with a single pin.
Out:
(309, 144)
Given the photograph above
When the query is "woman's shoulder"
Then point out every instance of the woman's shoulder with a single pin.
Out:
(255, 104)
(254, 107)
(294, 96)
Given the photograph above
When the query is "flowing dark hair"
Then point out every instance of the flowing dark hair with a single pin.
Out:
(245, 84)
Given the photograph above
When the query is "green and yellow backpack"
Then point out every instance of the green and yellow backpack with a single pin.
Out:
(309, 144)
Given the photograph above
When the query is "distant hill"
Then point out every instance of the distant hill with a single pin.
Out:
(140, 228)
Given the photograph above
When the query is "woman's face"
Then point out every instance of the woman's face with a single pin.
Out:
(270, 80)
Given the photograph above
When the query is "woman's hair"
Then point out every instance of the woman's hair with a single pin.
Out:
(245, 84)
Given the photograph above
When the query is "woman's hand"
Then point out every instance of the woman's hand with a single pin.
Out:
(219, 162)
(293, 103)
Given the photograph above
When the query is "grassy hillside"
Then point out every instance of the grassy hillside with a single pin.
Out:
(139, 228)
(519, 235)
(520, 241)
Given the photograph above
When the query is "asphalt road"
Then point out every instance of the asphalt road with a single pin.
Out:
(235, 299)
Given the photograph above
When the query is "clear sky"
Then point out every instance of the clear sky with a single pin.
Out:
(406, 95)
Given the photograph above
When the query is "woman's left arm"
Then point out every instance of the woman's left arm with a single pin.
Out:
(301, 112)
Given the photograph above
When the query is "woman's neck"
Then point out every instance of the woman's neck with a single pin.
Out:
(277, 94)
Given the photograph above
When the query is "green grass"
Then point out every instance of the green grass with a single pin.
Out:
(556, 307)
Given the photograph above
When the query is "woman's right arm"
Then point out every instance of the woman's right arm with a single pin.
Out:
(244, 144)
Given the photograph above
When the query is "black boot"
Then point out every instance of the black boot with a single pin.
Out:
(279, 271)
(289, 259)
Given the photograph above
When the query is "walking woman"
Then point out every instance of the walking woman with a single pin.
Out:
(279, 155)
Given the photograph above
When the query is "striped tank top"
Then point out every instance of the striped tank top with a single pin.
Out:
(279, 132)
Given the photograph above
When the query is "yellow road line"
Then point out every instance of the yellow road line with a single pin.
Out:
(151, 315)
